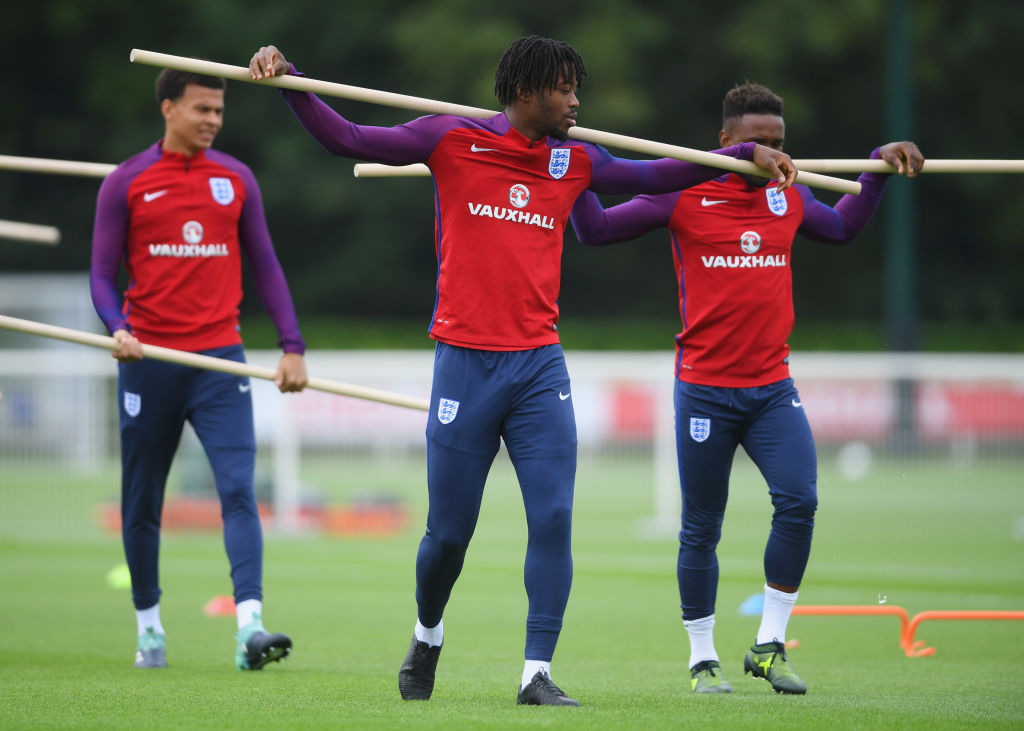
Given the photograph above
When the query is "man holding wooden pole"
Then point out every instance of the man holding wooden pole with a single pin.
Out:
(504, 187)
(732, 239)
(180, 215)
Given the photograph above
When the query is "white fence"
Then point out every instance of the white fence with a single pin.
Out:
(58, 418)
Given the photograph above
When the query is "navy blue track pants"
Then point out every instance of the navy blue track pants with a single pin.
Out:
(155, 399)
(769, 421)
(478, 398)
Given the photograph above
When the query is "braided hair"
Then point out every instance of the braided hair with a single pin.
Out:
(535, 64)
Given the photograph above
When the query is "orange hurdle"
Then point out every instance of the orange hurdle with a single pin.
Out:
(917, 649)
(908, 626)
(859, 610)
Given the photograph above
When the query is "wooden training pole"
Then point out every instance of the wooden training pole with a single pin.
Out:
(56, 167)
(30, 232)
(209, 363)
(376, 170)
(930, 166)
(431, 106)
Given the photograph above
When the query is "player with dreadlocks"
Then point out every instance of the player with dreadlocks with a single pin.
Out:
(504, 187)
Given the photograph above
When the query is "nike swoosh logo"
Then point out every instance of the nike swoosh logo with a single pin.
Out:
(153, 196)
(705, 202)
(564, 396)
(474, 148)
(244, 387)
(797, 404)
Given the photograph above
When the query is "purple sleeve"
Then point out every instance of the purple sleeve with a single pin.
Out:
(401, 145)
(254, 238)
(109, 235)
(841, 224)
(618, 175)
(596, 226)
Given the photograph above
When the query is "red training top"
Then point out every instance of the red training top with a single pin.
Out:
(501, 204)
(180, 224)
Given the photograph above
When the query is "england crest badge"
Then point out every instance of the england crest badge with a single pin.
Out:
(446, 410)
(222, 190)
(776, 201)
(700, 429)
(558, 165)
(132, 404)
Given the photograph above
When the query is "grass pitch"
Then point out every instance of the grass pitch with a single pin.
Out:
(922, 534)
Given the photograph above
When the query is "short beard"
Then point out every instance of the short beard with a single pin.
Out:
(558, 133)
(756, 181)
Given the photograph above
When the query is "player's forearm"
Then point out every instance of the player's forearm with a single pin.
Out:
(597, 226)
(857, 210)
(106, 259)
(270, 281)
(106, 300)
(277, 300)
(617, 175)
(389, 145)
(673, 175)
(842, 223)
(108, 241)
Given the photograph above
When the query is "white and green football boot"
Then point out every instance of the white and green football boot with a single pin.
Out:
(257, 647)
(152, 650)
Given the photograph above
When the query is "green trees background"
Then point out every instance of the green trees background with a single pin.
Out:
(363, 248)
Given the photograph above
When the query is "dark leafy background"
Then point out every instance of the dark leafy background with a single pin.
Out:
(362, 250)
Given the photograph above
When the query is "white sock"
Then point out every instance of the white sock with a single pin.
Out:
(531, 668)
(147, 618)
(248, 611)
(702, 639)
(433, 636)
(778, 605)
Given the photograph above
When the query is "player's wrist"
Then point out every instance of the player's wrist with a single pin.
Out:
(746, 151)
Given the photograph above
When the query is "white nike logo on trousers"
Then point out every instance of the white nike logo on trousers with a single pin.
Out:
(564, 396)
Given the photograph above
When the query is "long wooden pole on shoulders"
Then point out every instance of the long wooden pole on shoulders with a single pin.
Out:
(432, 106)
